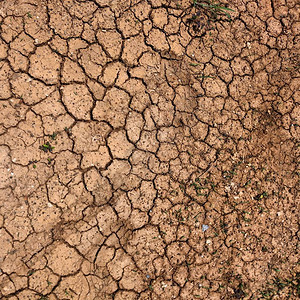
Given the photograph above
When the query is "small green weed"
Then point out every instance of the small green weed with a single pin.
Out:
(68, 131)
(46, 147)
(30, 272)
(206, 76)
(203, 187)
(216, 9)
(206, 13)
(53, 136)
(260, 196)
(277, 285)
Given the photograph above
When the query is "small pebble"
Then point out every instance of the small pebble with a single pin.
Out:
(204, 227)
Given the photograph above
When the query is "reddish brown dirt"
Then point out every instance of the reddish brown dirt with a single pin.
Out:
(143, 158)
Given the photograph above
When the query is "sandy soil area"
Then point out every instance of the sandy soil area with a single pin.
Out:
(149, 149)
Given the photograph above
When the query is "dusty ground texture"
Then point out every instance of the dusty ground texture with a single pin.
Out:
(145, 155)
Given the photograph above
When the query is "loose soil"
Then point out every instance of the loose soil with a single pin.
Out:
(149, 149)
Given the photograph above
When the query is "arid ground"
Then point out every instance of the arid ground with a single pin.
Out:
(149, 149)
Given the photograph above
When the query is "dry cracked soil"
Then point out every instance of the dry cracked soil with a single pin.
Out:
(149, 149)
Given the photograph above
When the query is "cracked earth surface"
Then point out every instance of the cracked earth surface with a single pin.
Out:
(141, 158)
